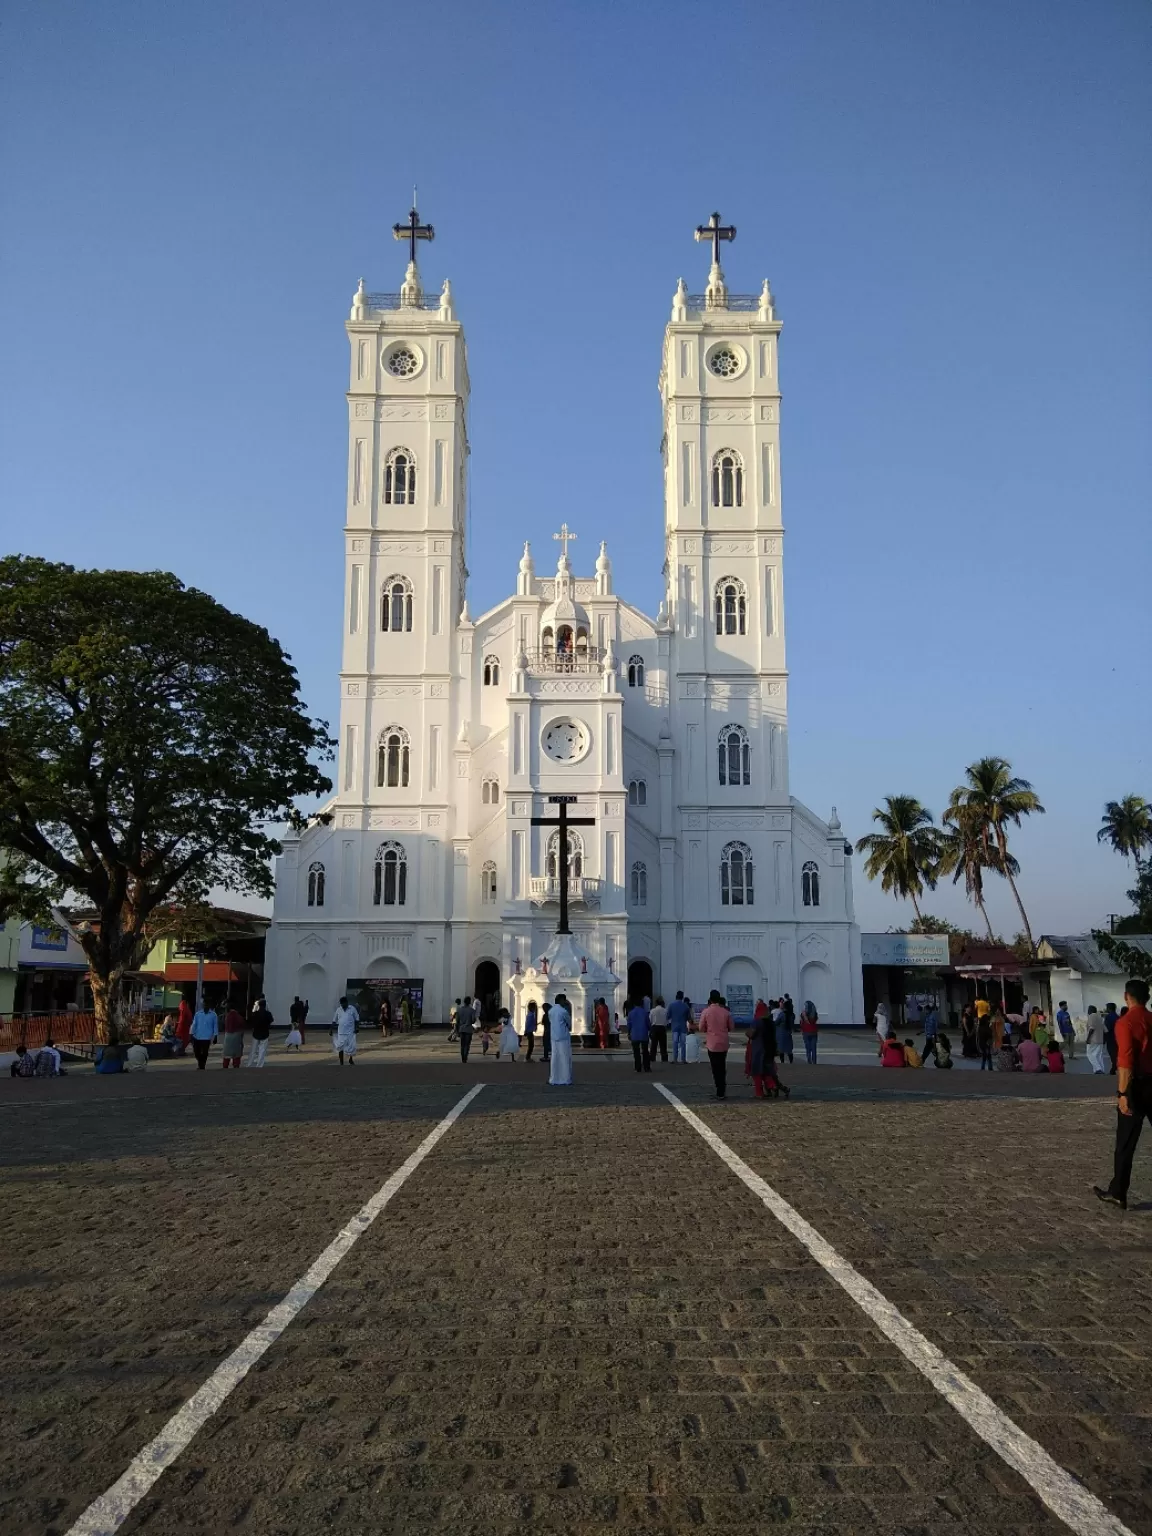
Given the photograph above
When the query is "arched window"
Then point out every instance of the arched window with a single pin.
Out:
(393, 758)
(490, 792)
(637, 792)
(390, 878)
(731, 606)
(491, 672)
(736, 875)
(575, 856)
(396, 604)
(635, 671)
(400, 478)
(810, 881)
(639, 885)
(727, 479)
(735, 756)
(488, 882)
(315, 885)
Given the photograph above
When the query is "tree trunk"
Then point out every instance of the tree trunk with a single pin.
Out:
(987, 920)
(108, 1003)
(915, 905)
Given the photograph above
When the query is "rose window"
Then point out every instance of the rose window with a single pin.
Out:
(402, 362)
(724, 362)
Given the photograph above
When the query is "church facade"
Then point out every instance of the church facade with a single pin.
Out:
(438, 858)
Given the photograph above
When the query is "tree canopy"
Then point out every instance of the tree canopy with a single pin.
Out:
(149, 738)
(904, 854)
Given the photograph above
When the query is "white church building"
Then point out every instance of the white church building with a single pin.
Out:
(694, 866)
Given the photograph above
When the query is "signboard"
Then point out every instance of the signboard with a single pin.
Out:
(741, 1003)
(49, 938)
(905, 949)
(366, 993)
(562, 799)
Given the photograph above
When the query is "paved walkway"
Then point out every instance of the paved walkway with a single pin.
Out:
(572, 1316)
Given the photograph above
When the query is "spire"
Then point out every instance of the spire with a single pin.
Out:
(527, 572)
(603, 571)
(716, 293)
(360, 303)
(447, 308)
(680, 301)
(411, 289)
(767, 309)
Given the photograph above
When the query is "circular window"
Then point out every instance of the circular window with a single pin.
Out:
(402, 362)
(725, 362)
(566, 741)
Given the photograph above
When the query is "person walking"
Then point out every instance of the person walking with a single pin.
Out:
(603, 1023)
(1066, 1029)
(262, 1022)
(810, 1030)
(344, 1024)
(296, 1018)
(509, 1042)
(658, 1031)
(560, 1042)
(1110, 1018)
(639, 1034)
(985, 1039)
(531, 1024)
(465, 1026)
(880, 1022)
(932, 1033)
(453, 1032)
(233, 1036)
(716, 1025)
(1094, 1047)
(203, 1031)
(1133, 1088)
(679, 1015)
(546, 1031)
(762, 1058)
(183, 1027)
(784, 1042)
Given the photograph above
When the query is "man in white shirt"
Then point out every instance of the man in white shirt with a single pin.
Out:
(658, 1031)
(344, 1022)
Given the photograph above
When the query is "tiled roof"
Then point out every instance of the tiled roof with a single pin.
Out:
(1079, 951)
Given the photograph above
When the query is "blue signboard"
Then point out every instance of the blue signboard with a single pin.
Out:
(907, 949)
(49, 938)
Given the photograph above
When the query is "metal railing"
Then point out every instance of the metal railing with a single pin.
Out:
(393, 301)
(740, 301)
(549, 661)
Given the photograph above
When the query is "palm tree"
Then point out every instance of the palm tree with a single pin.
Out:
(994, 799)
(1127, 826)
(963, 854)
(905, 853)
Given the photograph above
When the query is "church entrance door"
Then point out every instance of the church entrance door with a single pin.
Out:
(487, 990)
(639, 979)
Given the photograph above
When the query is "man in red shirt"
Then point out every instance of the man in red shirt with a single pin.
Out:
(716, 1025)
(1134, 1088)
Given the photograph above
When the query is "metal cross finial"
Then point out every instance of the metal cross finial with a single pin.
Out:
(413, 230)
(715, 231)
(565, 538)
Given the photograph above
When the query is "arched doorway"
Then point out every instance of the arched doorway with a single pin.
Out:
(486, 991)
(741, 983)
(639, 979)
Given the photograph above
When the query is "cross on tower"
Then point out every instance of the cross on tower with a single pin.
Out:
(413, 230)
(715, 231)
(565, 539)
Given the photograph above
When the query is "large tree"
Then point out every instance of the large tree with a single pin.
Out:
(963, 855)
(904, 854)
(1126, 826)
(149, 738)
(992, 798)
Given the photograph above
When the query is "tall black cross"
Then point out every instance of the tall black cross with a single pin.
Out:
(566, 821)
(412, 231)
(715, 231)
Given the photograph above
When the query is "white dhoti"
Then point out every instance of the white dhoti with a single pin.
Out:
(345, 1039)
(509, 1040)
(560, 1067)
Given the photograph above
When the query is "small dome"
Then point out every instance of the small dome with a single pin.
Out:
(527, 564)
(602, 561)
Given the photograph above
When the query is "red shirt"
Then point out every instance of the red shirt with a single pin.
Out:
(1134, 1040)
(893, 1055)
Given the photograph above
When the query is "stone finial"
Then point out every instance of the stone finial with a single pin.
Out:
(767, 309)
(411, 289)
(360, 302)
(716, 293)
(526, 572)
(603, 571)
(447, 307)
(662, 614)
(834, 822)
(680, 301)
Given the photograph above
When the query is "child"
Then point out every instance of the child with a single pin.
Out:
(912, 1057)
(943, 1054)
(485, 1036)
(509, 1043)
(1055, 1056)
(295, 1039)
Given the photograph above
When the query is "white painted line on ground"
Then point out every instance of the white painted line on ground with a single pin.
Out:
(107, 1513)
(1065, 1497)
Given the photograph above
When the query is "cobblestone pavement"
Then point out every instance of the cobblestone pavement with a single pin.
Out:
(572, 1317)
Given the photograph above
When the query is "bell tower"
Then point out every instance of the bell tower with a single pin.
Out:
(720, 393)
(405, 576)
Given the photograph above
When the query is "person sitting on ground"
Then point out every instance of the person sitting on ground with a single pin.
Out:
(943, 1053)
(1031, 1056)
(25, 1063)
(136, 1057)
(48, 1060)
(912, 1057)
(892, 1052)
(1055, 1057)
(109, 1058)
(1006, 1058)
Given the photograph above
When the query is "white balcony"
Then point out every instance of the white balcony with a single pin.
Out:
(582, 891)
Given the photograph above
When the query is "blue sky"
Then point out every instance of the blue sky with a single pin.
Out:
(952, 203)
